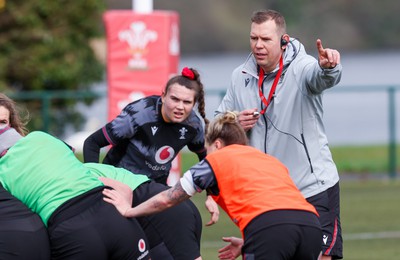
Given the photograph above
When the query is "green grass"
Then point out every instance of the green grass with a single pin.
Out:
(368, 208)
(363, 159)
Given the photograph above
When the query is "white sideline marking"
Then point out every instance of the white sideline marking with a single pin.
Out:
(347, 237)
(372, 235)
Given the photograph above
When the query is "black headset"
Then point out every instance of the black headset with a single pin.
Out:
(283, 42)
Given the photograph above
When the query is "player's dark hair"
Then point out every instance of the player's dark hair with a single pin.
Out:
(191, 82)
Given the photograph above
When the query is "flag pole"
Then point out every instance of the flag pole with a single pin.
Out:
(142, 6)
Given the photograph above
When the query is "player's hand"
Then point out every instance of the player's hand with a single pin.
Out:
(328, 58)
(247, 118)
(212, 207)
(231, 251)
(119, 201)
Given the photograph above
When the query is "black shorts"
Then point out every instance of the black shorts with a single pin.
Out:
(283, 235)
(179, 227)
(87, 227)
(24, 239)
(327, 204)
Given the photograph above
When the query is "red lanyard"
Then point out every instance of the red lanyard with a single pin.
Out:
(271, 92)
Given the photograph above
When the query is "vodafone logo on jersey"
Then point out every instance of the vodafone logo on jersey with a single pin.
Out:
(142, 249)
(142, 245)
(164, 154)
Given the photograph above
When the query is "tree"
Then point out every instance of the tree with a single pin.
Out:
(45, 45)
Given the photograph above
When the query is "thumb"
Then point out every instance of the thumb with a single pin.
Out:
(227, 239)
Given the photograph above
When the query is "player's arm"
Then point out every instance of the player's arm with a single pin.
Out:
(92, 146)
(157, 203)
(213, 209)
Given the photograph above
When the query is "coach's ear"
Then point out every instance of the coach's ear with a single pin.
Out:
(284, 41)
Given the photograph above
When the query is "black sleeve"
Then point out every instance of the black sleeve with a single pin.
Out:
(204, 178)
(202, 155)
(92, 146)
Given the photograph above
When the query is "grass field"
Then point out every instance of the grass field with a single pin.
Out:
(370, 207)
(370, 215)
(364, 159)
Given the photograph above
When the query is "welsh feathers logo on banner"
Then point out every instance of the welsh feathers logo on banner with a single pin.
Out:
(137, 37)
(142, 54)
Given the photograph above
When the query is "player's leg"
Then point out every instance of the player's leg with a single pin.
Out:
(328, 206)
(24, 238)
(178, 228)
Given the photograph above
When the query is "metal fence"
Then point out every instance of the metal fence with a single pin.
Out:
(46, 98)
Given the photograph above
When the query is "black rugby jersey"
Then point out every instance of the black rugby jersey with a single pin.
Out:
(144, 143)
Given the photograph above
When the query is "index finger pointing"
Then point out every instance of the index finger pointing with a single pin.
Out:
(319, 46)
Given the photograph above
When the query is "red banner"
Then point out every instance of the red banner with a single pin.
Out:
(142, 54)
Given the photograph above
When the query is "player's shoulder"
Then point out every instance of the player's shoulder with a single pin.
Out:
(193, 120)
(146, 101)
(143, 105)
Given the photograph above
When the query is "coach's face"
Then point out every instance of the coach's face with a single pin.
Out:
(265, 43)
